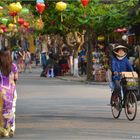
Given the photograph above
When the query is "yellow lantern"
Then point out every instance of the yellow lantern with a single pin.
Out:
(61, 6)
(15, 7)
(1, 31)
(101, 38)
(11, 26)
(39, 24)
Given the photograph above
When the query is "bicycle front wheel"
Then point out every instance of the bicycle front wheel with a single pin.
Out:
(116, 105)
(131, 106)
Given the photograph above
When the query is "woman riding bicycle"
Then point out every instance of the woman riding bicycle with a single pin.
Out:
(119, 63)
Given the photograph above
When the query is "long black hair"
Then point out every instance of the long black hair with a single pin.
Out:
(5, 62)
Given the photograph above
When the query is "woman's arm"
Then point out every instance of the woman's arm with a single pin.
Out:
(129, 66)
(15, 72)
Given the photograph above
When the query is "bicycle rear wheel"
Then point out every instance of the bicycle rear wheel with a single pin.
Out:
(116, 105)
(131, 106)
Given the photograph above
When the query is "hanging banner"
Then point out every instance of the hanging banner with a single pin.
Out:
(39, 1)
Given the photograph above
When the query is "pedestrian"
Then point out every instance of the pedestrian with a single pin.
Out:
(44, 50)
(50, 66)
(20, 60)
(83, 62)
(37, 57)
(27, 61)
(8, 77)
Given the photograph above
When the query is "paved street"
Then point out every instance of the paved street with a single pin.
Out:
(56, 109)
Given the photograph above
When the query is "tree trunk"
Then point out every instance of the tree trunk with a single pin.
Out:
(75, 66)
(139, 62)
(89, 55)
(71, 64)
(75, 70)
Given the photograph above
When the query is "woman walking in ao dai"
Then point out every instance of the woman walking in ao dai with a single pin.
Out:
(8, 76)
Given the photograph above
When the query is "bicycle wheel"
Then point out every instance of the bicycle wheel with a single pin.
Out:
(116, 105)
(131, 106)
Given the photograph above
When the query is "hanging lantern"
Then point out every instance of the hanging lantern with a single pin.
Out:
(26, 24)
(124, 29)
(15, 7)
(1, 31)
(41, 1)
(84, 2)
(3, 27)
(39, 24)
(119, 30)
(24, 11)
(10, 25)
(5, 30)
(4, 21)
(125, 37)
(12, 14)
(61, 6)
(21, 21)
(101, 38)
(40, 7)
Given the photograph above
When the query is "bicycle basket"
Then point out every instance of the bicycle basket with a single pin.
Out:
(131, 83)
(130, 80)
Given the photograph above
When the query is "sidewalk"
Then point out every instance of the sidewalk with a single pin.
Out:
(70, 77)
(80, 79)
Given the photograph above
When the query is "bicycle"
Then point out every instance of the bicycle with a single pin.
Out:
(127, 99)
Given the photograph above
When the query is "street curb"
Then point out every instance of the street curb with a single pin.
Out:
(97, 83)
(84, 81)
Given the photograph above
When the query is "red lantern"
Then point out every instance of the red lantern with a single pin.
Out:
(40, 7)
(3, 27)
(124, 29)
(5, 30)
(119, 30)
(26, 24)
(21, 21)
(84, 2)
(12, 14)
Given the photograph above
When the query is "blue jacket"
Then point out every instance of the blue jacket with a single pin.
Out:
(120, 66)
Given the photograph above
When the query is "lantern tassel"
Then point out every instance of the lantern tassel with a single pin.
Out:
(61, 18)
(15, 20)
(85, 12)
(40, 17)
